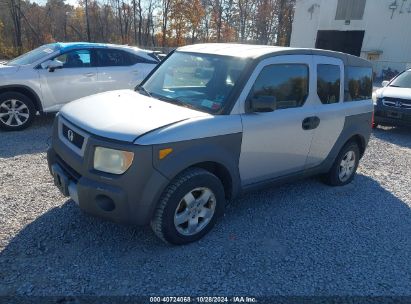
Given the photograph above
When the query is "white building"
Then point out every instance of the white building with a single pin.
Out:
(378, 30)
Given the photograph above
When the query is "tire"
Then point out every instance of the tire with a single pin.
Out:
(350, 154)
(17, 111)
(173, 215)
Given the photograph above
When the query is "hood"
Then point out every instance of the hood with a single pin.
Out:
(8, 69)
(124, 115)
(402, 93)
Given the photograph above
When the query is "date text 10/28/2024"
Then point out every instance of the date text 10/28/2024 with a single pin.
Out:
(203, 300)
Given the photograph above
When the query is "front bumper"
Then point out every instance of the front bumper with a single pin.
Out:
(391, 116)
(129, 198)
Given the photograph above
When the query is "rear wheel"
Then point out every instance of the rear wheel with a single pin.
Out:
(16, 111)
(189, 207)
(345, 165)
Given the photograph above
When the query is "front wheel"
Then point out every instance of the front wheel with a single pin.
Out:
(189, 207)
(345, 165)
(16, 111)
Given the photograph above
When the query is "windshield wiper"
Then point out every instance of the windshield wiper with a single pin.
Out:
(174, 101)
(394, 86)
(140, 89)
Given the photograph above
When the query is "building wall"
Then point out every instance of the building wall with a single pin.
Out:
(388, 37)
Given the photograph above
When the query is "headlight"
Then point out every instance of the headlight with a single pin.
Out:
(112, 161)
(374, 98)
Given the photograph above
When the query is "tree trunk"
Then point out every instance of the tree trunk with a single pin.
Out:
(16, 17)
(140, 23)
(87, 22)
(134, 22)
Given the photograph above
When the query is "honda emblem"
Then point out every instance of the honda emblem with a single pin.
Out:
(70, 135)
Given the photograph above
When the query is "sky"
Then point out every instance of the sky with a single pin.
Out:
(71, 2)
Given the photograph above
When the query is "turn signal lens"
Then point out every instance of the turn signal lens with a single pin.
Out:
(164, 152)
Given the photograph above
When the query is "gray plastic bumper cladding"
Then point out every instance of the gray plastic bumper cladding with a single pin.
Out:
(128, 198)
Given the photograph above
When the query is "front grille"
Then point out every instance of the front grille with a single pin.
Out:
(73, 137)
(397, 103)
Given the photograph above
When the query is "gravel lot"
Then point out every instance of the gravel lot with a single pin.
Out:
(303, 238)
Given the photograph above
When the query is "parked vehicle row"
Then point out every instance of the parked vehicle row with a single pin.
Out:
(211, 122)
(48, 77)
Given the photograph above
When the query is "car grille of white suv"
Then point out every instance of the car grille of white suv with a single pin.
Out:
(397, 102)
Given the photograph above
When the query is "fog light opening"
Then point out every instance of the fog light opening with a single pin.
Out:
(105, 203)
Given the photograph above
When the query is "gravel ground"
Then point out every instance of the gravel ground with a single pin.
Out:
(303, 238)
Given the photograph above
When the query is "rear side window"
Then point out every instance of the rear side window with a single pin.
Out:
(288, 83)
(134, 59)
(107, 57)
(328, 83)
(358, 83)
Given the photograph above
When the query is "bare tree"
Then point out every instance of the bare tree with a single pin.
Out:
(15, 11)
(245, 10)
(87, 21)
(165, 15)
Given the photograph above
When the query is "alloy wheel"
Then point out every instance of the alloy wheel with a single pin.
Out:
(14, 113)
(194, 211)
(347, 166)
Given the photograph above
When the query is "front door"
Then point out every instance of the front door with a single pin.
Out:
(277, 143)
(77, 78)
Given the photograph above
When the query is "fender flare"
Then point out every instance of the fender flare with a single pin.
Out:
(23, 89)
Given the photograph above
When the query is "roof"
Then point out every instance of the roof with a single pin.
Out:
(261, 51)
(64, 46)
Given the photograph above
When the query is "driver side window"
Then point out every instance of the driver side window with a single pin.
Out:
(288, 83)
(75, 59)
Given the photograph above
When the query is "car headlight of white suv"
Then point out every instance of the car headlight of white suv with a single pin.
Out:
(112, 161)
(374, 98)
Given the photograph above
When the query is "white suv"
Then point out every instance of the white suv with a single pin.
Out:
(52, 75)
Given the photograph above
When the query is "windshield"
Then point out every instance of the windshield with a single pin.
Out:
(34, 55)
(199, 81)
(402, 81)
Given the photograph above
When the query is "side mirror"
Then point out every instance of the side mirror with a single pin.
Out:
(263, 103)
(52, 65)
(385, 83)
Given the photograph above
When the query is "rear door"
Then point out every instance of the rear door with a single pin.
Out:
(329, 107)
(77, 78)
(119, 69)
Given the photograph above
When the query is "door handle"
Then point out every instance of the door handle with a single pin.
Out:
(135, 72)
(310, 123)
(89, 74)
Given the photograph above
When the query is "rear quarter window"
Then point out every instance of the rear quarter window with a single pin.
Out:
(358, 83)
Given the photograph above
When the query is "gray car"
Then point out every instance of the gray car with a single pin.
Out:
(211, 122)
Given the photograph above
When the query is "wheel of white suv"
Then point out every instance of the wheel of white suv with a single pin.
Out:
(17, 111)
(189, 207)
(345, 165)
